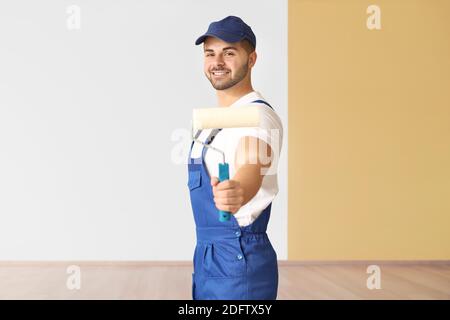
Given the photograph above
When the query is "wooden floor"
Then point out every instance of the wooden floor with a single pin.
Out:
(172, 280)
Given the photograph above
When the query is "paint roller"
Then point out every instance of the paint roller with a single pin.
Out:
(219, 118)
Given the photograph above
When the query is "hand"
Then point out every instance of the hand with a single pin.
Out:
(228, 195)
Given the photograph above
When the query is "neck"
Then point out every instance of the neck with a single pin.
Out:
(229, 96)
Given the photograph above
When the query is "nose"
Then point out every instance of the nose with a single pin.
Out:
(218, 61)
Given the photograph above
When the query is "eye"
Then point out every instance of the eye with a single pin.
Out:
(229, 53)
(208, 54)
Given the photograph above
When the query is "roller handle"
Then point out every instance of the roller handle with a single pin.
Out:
(224, 174)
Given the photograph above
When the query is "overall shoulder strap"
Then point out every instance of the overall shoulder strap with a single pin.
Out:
(262, 101)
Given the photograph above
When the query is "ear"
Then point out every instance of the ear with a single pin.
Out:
(252, 59)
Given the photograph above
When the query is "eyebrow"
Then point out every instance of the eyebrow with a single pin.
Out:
(226, 48)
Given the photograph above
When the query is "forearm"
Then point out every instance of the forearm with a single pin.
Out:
(250, 179)
(231, 195)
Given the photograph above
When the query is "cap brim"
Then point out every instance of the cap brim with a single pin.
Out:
(225, 36)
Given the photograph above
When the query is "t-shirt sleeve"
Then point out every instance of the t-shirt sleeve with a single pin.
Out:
(270, 131)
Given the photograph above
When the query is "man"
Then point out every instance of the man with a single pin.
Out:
(234, 259)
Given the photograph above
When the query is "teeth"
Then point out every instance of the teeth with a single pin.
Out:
(219, 73)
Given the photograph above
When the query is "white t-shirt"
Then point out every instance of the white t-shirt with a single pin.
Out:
(270, 131)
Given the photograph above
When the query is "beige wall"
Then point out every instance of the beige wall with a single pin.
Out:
(369, 131)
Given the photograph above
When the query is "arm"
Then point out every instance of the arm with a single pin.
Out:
(252, 157)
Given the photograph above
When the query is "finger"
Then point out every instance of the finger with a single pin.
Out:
(232, 201)
(228, 208)
(214, 181)
(228, 184)
(228, 193)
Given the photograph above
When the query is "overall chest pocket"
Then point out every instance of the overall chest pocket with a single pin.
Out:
(194, 180)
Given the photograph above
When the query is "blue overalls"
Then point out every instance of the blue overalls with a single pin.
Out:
(230, 262)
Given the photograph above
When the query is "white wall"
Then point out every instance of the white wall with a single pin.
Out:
(89, 168)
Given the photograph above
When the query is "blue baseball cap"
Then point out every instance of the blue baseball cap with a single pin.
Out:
(230, 29)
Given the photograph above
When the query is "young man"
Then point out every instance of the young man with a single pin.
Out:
(234, 259)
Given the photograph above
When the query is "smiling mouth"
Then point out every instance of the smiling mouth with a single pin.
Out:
(219, 73)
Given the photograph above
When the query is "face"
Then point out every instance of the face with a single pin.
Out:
(226, 64)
